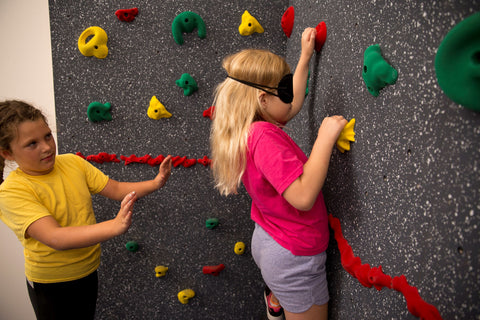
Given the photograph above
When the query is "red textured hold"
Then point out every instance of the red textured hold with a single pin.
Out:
(209, 112)
(126, 15)
(103, 157)
(213, 270)
(288, 19)
(189, 162)
(156, 161)
(321, 36)
(130, 159)
(368, 276)
(415, 304)
(177, 160)
(144, 159)
(205, 161)
(379, 279)
(361, 273)
(81, 155)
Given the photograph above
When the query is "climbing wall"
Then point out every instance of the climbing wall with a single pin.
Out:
(406, 194)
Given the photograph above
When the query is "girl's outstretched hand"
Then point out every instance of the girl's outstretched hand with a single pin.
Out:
(164, 172)
(123, 220)
(308, 42)
(331, 128)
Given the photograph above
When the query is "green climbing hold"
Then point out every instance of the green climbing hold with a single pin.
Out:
(377, 73)
(457, 63)
(187, 83)
(132, 246)
(187, 21)
(211, 223)
(98, 111)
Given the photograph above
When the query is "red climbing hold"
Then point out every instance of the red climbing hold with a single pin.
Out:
(126, 15)
(205, 161)
(177, 160)
(369, 277)
(415, 304)
(81, 155)
(189, 162)
(288, 19)
(156, 161)
(213, 270)
(321, 36)
(103, 157)
(209, 112)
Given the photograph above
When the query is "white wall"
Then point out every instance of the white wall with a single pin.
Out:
(25, 73)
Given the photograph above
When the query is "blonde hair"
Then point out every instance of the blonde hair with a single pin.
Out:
(236, 107)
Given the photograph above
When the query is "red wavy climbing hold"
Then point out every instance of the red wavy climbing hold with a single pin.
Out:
(205, 161)
(189, 162)
(126, 15)
(288, 19)
(177, 160)
(379, 279)
(369, 277)
(415, 303)
(133, 158)
(102, 157)
(213, 270)
(156, 161)
(209, 112)
(81, 155)
(321, 36)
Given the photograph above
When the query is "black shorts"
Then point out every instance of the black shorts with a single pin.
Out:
(65, 300)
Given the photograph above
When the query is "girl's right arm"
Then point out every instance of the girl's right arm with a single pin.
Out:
(49, 232)
(303, 192)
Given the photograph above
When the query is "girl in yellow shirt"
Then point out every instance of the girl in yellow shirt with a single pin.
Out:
(47, 203)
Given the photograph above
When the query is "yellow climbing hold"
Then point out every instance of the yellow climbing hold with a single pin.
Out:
(157, 110)
(96, 45)
(346, 136)
(239, 248)
(185, 295)
(249, 25)
(160, 271)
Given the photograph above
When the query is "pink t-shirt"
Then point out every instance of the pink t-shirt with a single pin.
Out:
(274, 161)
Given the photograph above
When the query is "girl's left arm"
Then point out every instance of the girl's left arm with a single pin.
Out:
(117, 190)
(301, 72)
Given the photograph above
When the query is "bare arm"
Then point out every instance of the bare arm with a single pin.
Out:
(116, 190)
(303, 192)
(49, 232)
(301, 72)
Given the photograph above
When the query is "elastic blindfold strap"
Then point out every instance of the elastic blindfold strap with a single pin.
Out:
(284, 89)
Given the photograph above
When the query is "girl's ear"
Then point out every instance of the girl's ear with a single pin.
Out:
(262, 98)
(6, 154)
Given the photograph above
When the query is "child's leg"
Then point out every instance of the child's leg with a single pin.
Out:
(65, 300)
(314, 313)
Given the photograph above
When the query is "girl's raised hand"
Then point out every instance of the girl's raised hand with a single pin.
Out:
(331, 128)
(308, 42)
(123, 220)
(164, 172)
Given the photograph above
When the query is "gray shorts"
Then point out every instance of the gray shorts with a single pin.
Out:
(297, 281)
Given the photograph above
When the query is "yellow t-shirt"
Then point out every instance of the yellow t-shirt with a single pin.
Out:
(64, 194)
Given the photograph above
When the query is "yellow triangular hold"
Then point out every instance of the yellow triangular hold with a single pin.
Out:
(346, 136)
(157, 110)
(249, 25)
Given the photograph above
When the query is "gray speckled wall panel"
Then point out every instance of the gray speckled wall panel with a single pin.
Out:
(407, 194)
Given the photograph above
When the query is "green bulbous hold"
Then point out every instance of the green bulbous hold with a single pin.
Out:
(377, 73)
(98, 111)
(457, 63)
(187, 21)
(188, 84)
